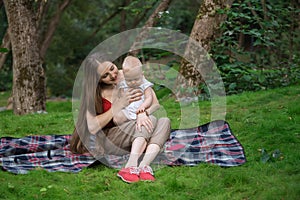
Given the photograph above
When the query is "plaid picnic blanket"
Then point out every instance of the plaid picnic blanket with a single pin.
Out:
(209, 143)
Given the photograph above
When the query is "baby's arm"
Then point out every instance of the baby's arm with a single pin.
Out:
(147, 100)
(155, 104)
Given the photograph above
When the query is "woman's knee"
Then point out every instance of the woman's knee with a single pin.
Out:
(164, 121)
(153, 120)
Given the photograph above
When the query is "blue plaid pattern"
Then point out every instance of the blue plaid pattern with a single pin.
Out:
(209, 143)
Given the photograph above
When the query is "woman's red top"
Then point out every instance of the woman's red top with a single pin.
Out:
(106, 105)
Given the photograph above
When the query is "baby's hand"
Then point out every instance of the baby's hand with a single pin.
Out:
(140, 110)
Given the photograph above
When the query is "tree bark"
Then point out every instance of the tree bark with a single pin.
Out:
(149, 23)
(29, 91)
(42, 6)
(204, 31)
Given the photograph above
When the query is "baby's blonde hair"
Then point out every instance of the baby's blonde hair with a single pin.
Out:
(131, 63)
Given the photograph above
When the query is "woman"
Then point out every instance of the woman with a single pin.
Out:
(95, 131)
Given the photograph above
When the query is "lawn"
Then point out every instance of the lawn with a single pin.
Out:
(265, 122)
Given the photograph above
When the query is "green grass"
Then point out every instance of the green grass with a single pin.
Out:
(3, 98)
(266, 120)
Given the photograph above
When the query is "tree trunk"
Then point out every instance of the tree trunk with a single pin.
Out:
(204, 31)
(150, 23)
(29, 91)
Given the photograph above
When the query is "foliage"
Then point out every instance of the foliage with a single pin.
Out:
(267, 57)
(6, 78)
(6, 70)
(69, 48)
(4, 23)
(266, 120)
(3, 50)
(180, 15)
(259, 45)
(3, 98)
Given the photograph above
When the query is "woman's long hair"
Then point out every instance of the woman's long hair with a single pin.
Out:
(91, 101)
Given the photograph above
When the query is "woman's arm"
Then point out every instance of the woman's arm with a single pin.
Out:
(119, 117)
(95, 123)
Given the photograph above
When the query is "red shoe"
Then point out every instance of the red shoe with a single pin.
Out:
(129, 174)
(146, 174)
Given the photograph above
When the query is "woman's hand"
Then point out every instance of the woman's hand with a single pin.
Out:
(143, 120)
(125, 98)
(133, 95)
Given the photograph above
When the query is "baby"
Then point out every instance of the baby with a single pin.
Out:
(134, 78)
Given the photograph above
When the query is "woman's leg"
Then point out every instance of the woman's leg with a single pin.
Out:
(161, 132)
(120, 118)
(139, 144)
(150, 154)
(130, 173)
(138, 147)
(160, 135)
